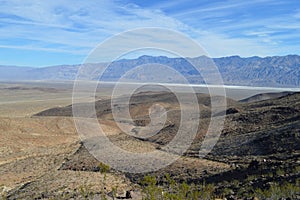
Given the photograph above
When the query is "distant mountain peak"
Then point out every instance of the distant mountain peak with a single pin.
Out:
(271, 71)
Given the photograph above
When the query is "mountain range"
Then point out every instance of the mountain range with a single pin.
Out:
(274, 71)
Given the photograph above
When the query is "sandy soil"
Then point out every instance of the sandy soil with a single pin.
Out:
(33, 148)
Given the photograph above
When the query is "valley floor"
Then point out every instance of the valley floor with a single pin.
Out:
(43, 158)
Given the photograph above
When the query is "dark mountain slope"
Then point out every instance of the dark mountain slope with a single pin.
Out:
(265, 96)
(260, 128)
(259, 146)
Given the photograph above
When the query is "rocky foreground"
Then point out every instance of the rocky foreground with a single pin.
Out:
(256, 157)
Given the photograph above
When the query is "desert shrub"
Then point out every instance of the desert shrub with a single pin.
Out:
(86, 192)
(277, 191)
(225, 192)
(150, 189)
(103, 168)
(280, 172)
(172, 190)
(251, 177)
(207, 191)
(235, 183)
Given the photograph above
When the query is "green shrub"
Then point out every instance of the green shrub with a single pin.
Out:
(86, 192)
(277, 191)
(103, 167)
(172, 190)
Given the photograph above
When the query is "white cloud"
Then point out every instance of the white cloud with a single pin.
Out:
(219, 7)
(35, 48)
(76, 23)
(77, 26)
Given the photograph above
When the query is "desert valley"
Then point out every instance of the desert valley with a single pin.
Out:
(42, 156)
(149, 100)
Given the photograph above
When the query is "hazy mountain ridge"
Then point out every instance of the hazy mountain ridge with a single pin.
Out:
(276, 71)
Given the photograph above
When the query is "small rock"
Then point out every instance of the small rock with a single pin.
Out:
(128, 195)
(231, 197)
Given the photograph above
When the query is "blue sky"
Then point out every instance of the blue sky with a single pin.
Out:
(49, 32)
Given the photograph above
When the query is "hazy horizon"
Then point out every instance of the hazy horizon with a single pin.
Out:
(133, 58)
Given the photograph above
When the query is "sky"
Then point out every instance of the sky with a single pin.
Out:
(48, 32)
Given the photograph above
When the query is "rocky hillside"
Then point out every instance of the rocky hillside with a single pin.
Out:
(262, 128)
(259, 147)
(256, 128)
(265, 96)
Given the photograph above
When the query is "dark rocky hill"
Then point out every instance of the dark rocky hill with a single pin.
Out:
(265, 96)
(259, 146)
(257, 128)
